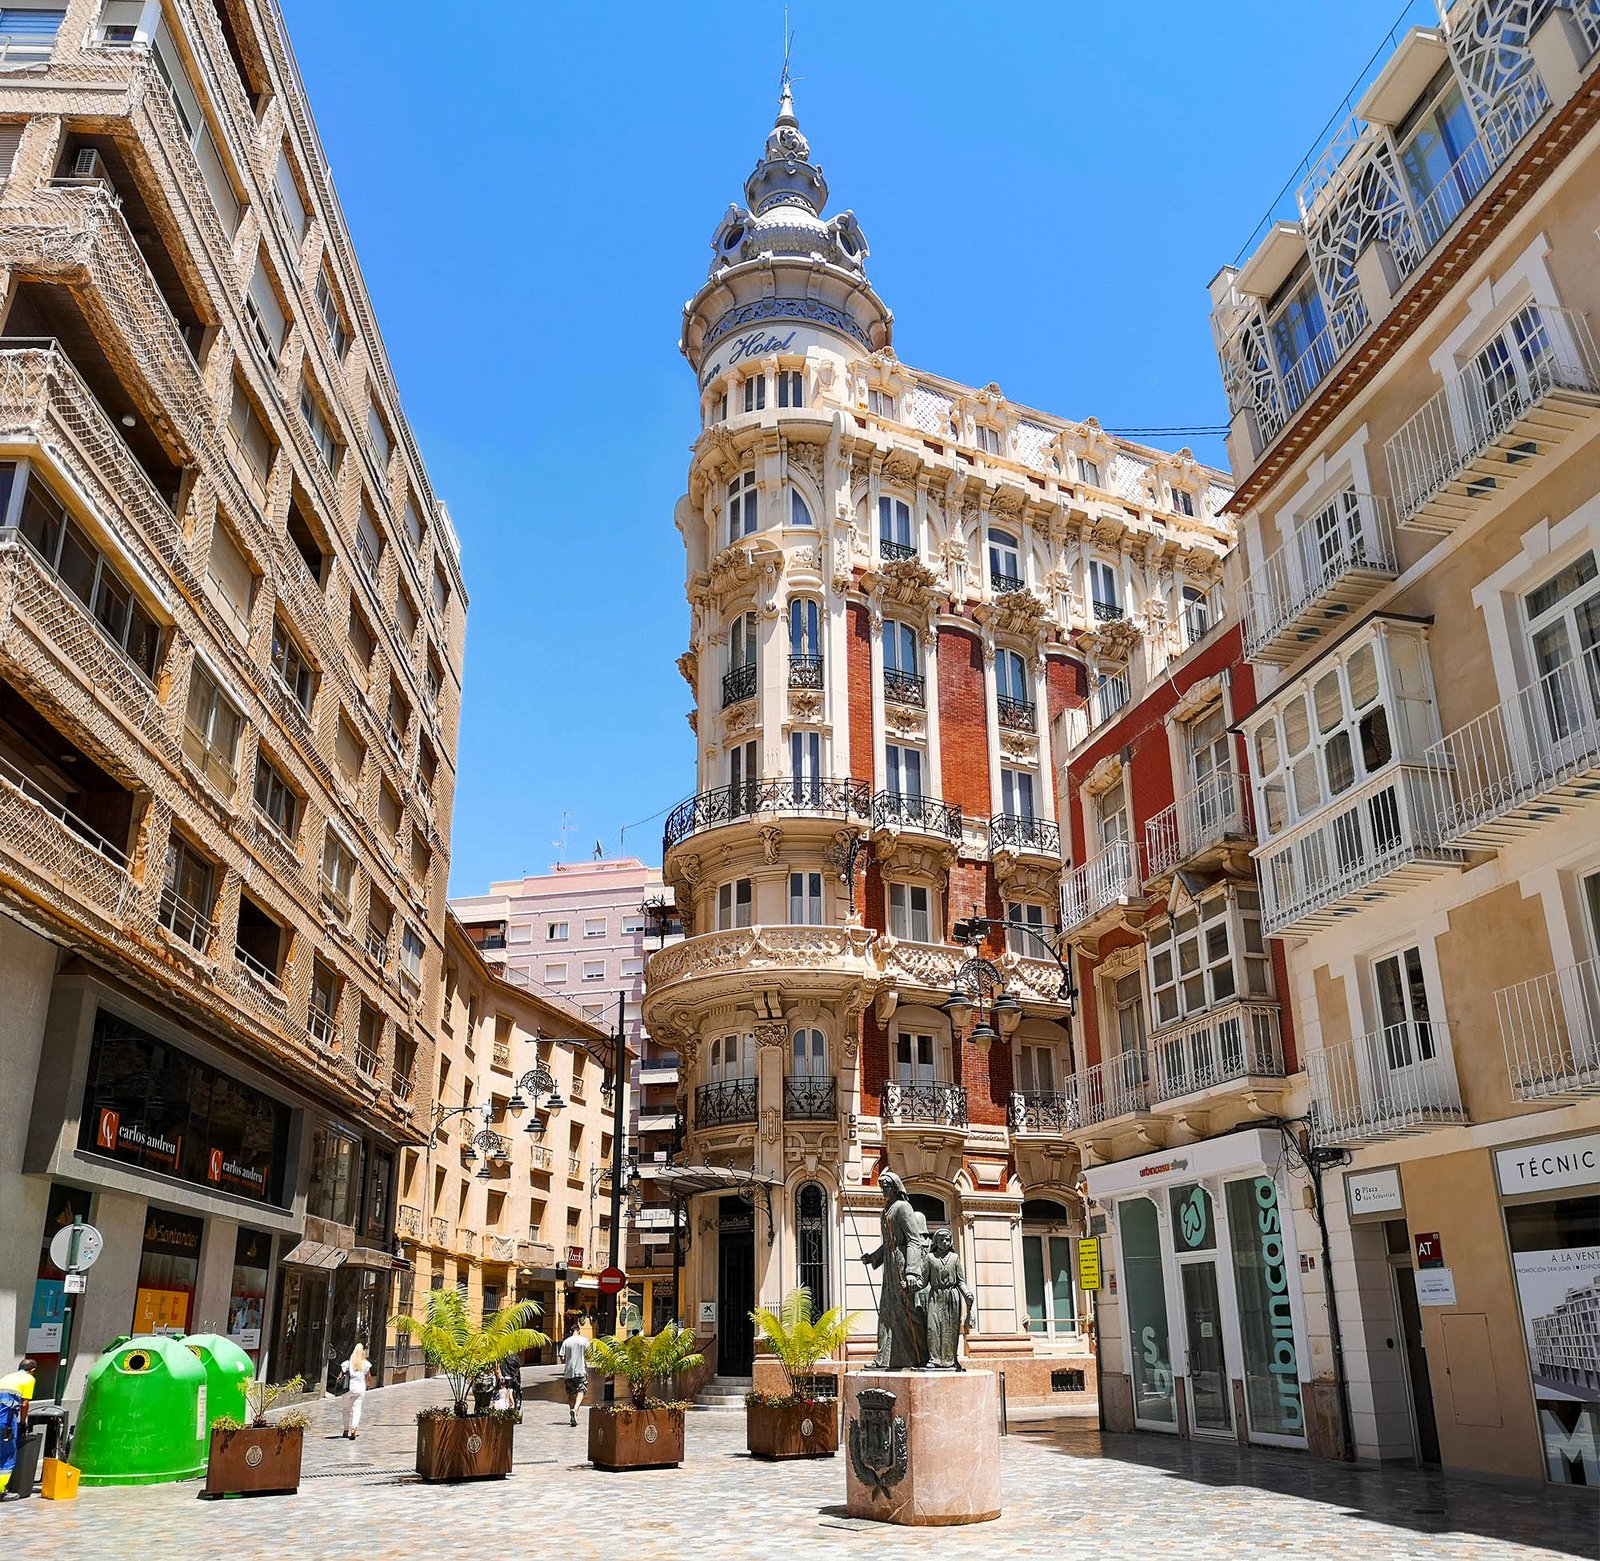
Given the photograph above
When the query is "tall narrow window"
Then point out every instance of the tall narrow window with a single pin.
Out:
(1404, 1013)
(294, 209)
(811, 1236)
(1016, 793)
(268, 323)
(902, 663)
(903, 767)
(332, 315)
(1026, 929)
(894, 528)
(805, 767)
(913, 1058)
(187, 892)
(791, 388)
(739, 681)
(755, 393)
(799, 511)
(1005, 562)
(743, 506)
(733, 904)
(322, 434)
(910, 915)
(1103, 590)
(805, 627)
(293, 670)
(743, 775)
(1562, 616)
(275, 798)
(805, 899)
(211, 729)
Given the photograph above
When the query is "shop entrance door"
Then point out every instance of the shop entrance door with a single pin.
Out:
(1409, 1313)
(1210, 1405)
(736, 1287)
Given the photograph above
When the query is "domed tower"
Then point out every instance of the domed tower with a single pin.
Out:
(872, 710)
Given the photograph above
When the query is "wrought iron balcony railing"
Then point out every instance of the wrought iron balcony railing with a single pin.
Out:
(941, 1105)
(1016, 715)
(890, 551)
(1044, 1111)
(739, 684)
(1393, 1082)
(903, 810)
(904, 688)
(805, 671)
(1117, 1087)
(726, 1102)
(801, 794)
(1107, 612)
(1023, 832)
(1003, 584)
(1238, 1041)
(810, 1100)
(1550, 1027)
(1509, 769)
(1329, 564)
(1110, 694)
(1215, 810)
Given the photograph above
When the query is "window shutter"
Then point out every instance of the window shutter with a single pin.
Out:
(10, 139)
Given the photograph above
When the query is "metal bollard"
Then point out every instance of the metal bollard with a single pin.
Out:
(1005, 1430)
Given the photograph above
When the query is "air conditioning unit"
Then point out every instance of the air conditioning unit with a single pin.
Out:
(87, 163)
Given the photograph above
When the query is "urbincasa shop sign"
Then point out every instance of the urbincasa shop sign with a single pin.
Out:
(1266, 1314)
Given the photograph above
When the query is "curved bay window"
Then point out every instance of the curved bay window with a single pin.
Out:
(811, 1244)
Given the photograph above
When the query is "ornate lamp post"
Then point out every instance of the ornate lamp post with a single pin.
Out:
(536, 1081)
(979, 989)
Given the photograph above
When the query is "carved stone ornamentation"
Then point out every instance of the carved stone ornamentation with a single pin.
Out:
(771, 843)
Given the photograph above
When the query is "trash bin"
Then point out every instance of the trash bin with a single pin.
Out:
(143, 1419)
(228, 1374)
(51, 1421)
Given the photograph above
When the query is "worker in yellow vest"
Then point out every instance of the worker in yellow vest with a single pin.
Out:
(16, 1393)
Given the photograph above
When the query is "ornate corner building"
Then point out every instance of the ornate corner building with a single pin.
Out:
(231, 624)
(906, 596)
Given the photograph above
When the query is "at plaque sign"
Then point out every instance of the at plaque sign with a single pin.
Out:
(1374, 1192)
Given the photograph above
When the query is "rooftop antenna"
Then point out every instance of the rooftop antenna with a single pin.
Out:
(561, 843)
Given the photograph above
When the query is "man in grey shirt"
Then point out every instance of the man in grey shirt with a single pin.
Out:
(575, 1367)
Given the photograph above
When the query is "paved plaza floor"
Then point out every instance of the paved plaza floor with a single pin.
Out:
(1070, 1491)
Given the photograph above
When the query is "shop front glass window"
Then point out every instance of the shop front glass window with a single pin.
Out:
(1153, 1397)
(1266, 1322)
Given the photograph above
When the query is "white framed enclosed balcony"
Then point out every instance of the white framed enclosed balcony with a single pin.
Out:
(1331, 562)
(1347, 807)
(1236, 1043)
(1497, 421)
(1550, 1027)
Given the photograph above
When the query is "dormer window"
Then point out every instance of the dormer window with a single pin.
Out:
(880, 403)
(791, 388)
(743, 506)
(990, 440)
(1183, 502)
(755, 393)
(1089, 472)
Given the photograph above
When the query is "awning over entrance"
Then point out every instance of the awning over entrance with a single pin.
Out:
(687, 1181)
(314, 1254)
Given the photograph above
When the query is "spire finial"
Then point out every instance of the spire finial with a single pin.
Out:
(785, 94)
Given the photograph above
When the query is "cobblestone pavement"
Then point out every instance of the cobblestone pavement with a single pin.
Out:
(1069, 1491)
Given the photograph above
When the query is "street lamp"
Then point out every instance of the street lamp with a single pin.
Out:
(979, 990)
(536, 1081)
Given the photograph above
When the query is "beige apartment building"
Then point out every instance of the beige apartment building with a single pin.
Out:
(231, 625)
(1416, 396)
(498, 1197)
(899, 586)
(583, 930)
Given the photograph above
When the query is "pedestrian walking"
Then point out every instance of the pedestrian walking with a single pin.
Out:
(355, 1371)
(575, 1367)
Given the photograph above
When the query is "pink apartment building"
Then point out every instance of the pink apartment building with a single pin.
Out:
(583, 930)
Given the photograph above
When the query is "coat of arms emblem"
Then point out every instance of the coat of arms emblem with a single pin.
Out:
(880, 1444)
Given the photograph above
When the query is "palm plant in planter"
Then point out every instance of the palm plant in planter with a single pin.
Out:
(804, 1422)
(257, 1456)
(452, 1442)
(641, 1432)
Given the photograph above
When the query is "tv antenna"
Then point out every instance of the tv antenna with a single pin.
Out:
(560, 843)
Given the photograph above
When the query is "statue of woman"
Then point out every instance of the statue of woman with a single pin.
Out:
(903, 1257)
(950, 1303)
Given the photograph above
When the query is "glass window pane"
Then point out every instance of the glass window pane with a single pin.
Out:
(1033, 1281)
(1266, 1321)
(1147, 1311)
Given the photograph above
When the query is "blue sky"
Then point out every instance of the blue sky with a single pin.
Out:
(1046, 188)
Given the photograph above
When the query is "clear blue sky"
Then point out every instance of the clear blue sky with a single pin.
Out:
(1046, 188)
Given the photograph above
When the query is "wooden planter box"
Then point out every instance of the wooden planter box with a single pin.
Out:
(257, 1461)
(466, 1447)
(635, 1438)
(809, 1429)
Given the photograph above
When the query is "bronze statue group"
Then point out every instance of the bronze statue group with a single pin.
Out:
(925, 1300)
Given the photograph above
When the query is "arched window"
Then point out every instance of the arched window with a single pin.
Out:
(733, 1057)
(805, 627)
(799, 510)
(1048, 1288)
(743, 506)
(811, 1243)
(932, 1209)
(810, 1054)
(1005, 562)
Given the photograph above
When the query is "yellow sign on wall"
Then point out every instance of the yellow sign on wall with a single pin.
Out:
(161, 1311)
(1089, 1263)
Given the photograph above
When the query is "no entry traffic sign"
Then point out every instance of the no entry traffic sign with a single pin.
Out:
(611, 1281)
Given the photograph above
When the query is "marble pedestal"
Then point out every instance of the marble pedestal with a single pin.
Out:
(926, 1455)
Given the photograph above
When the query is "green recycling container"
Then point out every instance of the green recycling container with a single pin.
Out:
(228, 1372)
(143, 1419)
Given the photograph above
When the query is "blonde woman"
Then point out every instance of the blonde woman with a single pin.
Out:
(356, 1370)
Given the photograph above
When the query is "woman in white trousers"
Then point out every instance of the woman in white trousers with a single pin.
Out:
(356, 1370)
